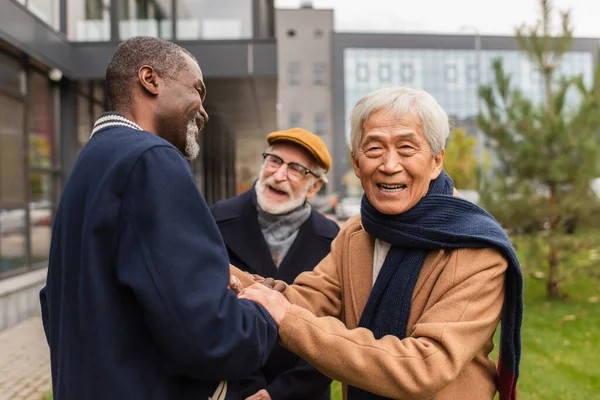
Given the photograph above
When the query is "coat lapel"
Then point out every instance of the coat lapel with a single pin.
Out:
(361, 247)
(244, 238)
(306, 252)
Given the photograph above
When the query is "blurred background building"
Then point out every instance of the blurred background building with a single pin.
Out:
(265, 69)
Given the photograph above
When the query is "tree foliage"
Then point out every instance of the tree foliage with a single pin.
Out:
(460, 160)
(547, 150)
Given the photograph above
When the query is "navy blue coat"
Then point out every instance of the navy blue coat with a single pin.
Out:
(285, 375)
(136, 304)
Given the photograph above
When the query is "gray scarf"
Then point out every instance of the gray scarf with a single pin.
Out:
(280, 231)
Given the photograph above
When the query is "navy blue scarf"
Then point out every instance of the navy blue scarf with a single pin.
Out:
(438, 221)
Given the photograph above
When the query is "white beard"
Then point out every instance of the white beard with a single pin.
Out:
(279, 209)
(192, 148)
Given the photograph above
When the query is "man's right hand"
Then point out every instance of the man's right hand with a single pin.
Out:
(274, 302)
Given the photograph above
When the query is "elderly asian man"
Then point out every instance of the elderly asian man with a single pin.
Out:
(406, 304)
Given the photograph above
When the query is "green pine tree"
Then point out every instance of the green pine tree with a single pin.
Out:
(547, 149)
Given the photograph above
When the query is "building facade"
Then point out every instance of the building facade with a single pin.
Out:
(450, 67)
(304, 64)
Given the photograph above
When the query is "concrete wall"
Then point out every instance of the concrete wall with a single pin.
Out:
(20, 297)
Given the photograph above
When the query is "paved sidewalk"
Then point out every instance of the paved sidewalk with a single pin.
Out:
(24, 362)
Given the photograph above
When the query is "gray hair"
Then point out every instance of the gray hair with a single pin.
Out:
(318, 170)
(401, 101)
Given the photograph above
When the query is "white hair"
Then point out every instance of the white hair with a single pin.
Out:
(402, 101)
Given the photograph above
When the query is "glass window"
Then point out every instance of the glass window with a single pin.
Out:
(146, 18)
(384, 72)
(294, 73)
(209, 19)
(40, 214)
(451, 73)
(362, 72)
(12, 77)
(89, 20)
(41, 123)
(13, 241)
(84, 120)
(46, 10)
(319, 73)
(13, 253)
(407, 72)
(472, 73)
(12, 175)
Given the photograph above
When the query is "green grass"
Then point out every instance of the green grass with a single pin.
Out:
(561, 338)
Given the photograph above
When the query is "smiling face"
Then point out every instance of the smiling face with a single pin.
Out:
(394, 162)
(275, 192)
(180, 115)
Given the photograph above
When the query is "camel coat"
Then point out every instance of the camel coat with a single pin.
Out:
(456, 307)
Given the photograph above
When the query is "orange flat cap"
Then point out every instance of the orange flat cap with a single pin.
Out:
(311, 142)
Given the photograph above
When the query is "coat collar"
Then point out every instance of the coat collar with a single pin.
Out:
(238, 223)
(240, 230)
(109, 119)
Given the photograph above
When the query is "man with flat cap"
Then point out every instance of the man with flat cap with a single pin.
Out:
(272, 231)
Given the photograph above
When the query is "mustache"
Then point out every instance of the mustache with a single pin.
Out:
(284, 186)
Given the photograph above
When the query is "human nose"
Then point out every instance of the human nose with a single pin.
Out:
(204, 114)
(282, 173)
(392, 163)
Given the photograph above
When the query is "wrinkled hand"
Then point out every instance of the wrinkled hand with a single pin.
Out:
(235, 284)
(273, 301)
(262, 394)
(244, 279)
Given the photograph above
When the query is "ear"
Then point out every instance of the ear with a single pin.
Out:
(355, 164)
(438, 164)
(148, 79)
(314, 189)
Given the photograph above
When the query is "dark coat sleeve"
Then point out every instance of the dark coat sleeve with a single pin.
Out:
(301, 382)
(44, 310)
(173, 259)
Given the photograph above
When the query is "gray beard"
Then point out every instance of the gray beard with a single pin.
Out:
(192, 148)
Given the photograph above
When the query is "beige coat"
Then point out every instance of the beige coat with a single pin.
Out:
(456, 308)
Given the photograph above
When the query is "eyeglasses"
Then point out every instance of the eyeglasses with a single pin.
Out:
(295, 171)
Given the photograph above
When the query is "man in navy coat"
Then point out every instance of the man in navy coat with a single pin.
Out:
(137, 304)
(272, 231)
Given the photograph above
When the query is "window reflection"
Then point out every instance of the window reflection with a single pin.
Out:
(46, 10)
(40, 215)
(41, 123)
(12, 171)
(13, 241)
(209, 19)
(89, 20)
(145, 18)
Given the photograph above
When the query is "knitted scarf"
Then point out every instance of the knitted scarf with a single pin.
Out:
(280, 231)
(438, 221)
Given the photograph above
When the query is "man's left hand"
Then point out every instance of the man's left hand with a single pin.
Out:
(262, 394)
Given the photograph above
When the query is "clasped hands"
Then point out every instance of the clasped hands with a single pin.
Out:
(264, 291)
